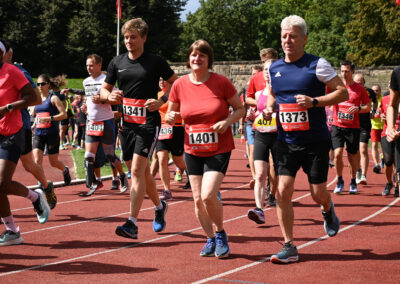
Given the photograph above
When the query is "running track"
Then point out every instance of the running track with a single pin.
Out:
(78, 243)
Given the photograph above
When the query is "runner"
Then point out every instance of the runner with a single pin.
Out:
(264, 144)
(298, 91)
(46, 131)
(202, 99)
(377, 125)
(346, 127)
(26, 155)
(137, 73)
(12, 84)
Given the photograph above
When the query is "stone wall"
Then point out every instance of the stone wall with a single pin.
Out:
(239, 72)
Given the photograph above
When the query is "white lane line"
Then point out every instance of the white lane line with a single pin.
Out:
(299, 247)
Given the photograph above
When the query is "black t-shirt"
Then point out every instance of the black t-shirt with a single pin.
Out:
(395, 79)
(138, 79)
(365, 117)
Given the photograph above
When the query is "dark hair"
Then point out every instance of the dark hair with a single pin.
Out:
(269, 53)
(257, 67)
(95, 57)
(55, 82)
(348, 63)
(204, 47)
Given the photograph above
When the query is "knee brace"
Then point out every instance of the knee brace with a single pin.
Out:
(89, 165)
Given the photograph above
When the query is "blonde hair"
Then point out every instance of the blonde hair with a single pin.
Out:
(136, 24)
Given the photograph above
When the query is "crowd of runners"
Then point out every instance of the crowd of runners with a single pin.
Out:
(295, 112)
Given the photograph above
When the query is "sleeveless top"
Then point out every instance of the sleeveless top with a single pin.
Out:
(47, 107)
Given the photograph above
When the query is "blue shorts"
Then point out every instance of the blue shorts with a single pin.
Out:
(250, 132)
(11, 146)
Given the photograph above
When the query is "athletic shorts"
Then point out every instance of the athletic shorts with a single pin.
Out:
(51, 140)
(175, 144)
(100, 159)
(264, 144)
(108, 134)
(197, 166)
(391, 152)
(365, 132)
(350, 136)
(65, 122)
(28, 142)
(138, 140)
(313, 158)
(376, 135)
(250, 132)
(11, 146)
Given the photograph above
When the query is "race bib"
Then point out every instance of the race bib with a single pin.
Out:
(265, 126)
(41, 122)
(95, 128)
(377, 113)
(344, 116)
(202, 138)
(293, 117)
(134, 110)
(166, 132)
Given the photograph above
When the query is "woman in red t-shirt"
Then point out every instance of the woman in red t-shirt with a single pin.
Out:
(202, 99)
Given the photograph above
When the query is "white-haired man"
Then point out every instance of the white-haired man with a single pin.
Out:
(298, 83)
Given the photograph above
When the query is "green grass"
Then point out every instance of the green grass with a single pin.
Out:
(79, 157)
(75, 83)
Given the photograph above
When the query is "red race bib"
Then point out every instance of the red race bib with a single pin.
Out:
(95, 128)
(343, 115)
(134, 110)
(166, 132)
(202, 138)
(293, 117)
(40, 122)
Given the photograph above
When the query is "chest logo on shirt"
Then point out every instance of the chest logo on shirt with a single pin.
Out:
(278, 74)
(121, 70)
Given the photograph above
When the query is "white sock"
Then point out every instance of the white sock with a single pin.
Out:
(134, 220)
(32, 195)
(10, 225)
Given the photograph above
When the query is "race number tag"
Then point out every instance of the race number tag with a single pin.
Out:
(95, 128)
(265, 126)
(377, 113)
(41, 122)
(202, 138)
(134, 111)
(344, 116)
(166, 132)
(293, 117)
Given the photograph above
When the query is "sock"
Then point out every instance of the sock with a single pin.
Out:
(32, 195)
(134, 220)
(223, 231)
(340, 179)
(99, 179)
(115, 178)
(353, 181)
(65, 170)
(159, 206)
(10, 225)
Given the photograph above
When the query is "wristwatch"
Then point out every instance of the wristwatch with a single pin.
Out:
(314, 102)
(164, 99)
(9, 107)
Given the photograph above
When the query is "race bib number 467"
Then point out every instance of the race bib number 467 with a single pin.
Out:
(293, 117)
(134, 110)
(202, 138)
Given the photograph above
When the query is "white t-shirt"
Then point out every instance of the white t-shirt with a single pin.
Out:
(96, 112)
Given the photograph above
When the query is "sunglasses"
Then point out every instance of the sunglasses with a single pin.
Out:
(42, 84)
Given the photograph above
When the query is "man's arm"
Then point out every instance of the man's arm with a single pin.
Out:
(107, 95)
(391, 115)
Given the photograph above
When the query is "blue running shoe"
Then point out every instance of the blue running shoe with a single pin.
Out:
(41, 207)
(9, 238)
(209, 248)
(128, 230)
(222, 246)
(339, 187)
(353, 188)
(287, 254)
(129, 174)
(159, 220)
(331, 223)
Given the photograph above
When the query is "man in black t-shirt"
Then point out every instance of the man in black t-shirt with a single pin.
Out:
(137, 73)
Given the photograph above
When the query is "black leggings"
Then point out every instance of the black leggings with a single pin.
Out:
(81, 133)
(391, 153)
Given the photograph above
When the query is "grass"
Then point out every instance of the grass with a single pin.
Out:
(72, 83)
(79, 157)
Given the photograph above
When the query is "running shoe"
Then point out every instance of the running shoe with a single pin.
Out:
(219, 196)
(187, 185)
(128, 230)
(114, 184)
(396, 191)
(9, 238)
(170, 161)
(287, 254)
(41, 207)
(124, 183)
(129, 174)
(377, 169)
(358, 176)
(331, 164)
(50, 195)
(271, 202)
(62, 147)
(331, 221)
(251, 184)
(256, 215)
(178, 176)
(339, 187)
(387, 189)
(209, 248)
(222, 246)
(363, 180)
(99, 184)
(166, 195)
(67, 176)
(159, 219)
(353, 188)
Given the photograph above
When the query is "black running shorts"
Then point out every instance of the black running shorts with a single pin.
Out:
(350, 136)
(51, 140)
(140, 140)
(174, 145)
(199, 165)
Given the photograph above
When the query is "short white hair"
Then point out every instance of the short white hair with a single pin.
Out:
(294, 21)
(2, 48)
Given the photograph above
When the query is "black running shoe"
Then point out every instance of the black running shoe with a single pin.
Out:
(387, 189)
(271, 201)
(114, 184)
(67, 176)
(128, 230)
(187, 185)
(50, 195)
(396, 191)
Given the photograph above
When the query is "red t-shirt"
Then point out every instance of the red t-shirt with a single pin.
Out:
(384, 106)
(257, 83)
(201, 106)
(12, 80)
(357, 96)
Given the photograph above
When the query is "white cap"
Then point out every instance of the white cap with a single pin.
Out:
(2, 47)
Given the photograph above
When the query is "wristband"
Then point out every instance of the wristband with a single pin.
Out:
(52, 118)
(359, 108)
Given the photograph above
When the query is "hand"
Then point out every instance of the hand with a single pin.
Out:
(3, 111)
(304, 101)
(220, 127)
(392, 134)
(383, 116)
(115, 97)
(153, 104)
(267, 113)
(240, 129)
(171, 116)
(96, 99)
(65, 91)
(251, 114)
(84, 108)
(353, 109)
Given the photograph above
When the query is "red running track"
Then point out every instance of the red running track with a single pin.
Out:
(78, 243)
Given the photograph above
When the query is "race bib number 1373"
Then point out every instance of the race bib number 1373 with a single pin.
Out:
(293, 117)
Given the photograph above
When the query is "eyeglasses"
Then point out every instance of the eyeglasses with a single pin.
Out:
(42, 84)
